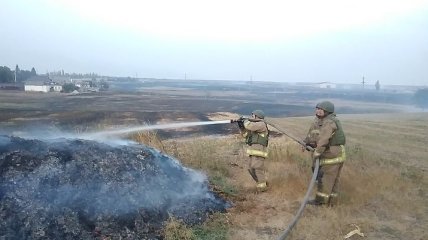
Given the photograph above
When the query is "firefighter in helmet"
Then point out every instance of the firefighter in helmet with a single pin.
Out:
(326, 136)
(256, 134)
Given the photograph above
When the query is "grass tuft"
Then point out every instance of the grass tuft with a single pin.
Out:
(149, 138)
(215, 228)
(176, 230)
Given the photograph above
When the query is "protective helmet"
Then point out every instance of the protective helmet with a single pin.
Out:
(259, 114)
(326, 106)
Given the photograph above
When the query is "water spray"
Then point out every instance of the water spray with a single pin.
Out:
(150, 127)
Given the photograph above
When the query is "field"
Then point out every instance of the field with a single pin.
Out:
(384, 181)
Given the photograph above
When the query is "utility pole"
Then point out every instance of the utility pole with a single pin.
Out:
(363, 82)
(16, 71)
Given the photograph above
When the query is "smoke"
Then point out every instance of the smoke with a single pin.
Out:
(4, 140)
(42, 181)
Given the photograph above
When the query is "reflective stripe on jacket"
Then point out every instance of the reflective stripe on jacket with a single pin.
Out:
(336, 160)
(257, 153)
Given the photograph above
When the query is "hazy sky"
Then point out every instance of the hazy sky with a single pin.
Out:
(294, 41)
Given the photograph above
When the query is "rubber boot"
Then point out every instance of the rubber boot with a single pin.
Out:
(333, 200)
(261, 187)
(317, 201)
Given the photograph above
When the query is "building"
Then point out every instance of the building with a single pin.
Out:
(326, 85)
(41, 84)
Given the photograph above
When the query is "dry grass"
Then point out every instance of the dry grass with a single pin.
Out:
(177, 230)
(384, 181)
(149, 138)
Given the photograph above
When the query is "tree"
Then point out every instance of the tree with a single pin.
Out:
(33, 72)
(421, 98)
(6, 75)
(104, 85)
(377, 85)
(69, 87)
(23, 75)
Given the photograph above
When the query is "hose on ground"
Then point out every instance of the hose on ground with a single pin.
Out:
(296, 218)
(287, 231)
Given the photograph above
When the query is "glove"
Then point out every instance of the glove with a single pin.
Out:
(241, 124)
(316, 154)
(309, 146)
(312, 145)
(240, 119)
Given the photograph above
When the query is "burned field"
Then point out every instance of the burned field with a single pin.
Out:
(160, 101)
(77, 189)
(76, 113)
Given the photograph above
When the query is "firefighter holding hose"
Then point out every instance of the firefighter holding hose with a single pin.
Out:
(256, 134)
(326, 136)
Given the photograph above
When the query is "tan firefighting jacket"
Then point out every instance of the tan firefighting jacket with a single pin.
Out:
(257, 135)
(327, 137)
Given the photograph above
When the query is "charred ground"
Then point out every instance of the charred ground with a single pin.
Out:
(136, 102)
(78, 189)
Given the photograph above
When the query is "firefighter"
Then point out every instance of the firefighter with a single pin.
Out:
(256, 134)
(326, 136)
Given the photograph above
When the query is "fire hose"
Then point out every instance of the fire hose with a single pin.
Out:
(296, 217)
(287, 231)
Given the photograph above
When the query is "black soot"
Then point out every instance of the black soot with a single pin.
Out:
(81, 189)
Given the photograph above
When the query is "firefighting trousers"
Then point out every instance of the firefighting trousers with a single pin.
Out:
(256, 168)
(328, 183)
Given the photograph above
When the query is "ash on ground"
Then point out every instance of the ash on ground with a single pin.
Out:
(79, 189)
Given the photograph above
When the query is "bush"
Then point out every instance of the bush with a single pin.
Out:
(69, 87)
(421, 98)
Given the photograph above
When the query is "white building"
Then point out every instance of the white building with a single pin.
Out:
(36, 88)
(42, 88)
(326, 85)
(41, 84)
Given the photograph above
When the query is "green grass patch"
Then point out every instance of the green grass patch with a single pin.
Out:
(220, 182)
(215, 228)
(176, 230)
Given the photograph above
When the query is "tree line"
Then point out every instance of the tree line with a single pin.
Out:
(8, 76)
